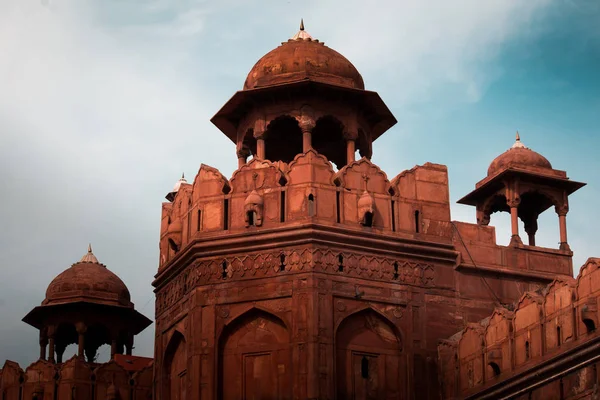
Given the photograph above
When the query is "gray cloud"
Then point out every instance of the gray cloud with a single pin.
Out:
(104, 104)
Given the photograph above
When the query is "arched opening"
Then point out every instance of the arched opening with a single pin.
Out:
(97, 341)
(495, 368)
(311, 205)
(102, 354)
(368, 362)
(248, 144)
(283, 139)
(255, 358)
(175, 368)
(66, 337)
(251, 218)
(535, 210)
(328, 139)
(368, 219)
(590, 326)
(417, 221)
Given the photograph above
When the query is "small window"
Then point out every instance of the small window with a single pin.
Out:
(395, 270)
(226, 214)
(527, 354)
(590, 326)
(495, 368)
(393, 216)
(224, 266)
(282, 208)
(251, 218)
(282, 262)
(368, 219)
(337, 207)
(558, 338)
(199, 221)
(417, 222)
(311, 205)
(364, 367)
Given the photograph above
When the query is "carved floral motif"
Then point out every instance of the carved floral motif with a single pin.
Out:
(257, 265)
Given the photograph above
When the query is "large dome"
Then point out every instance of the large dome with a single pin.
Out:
(90, 281)
(302, 58)
(519, 156)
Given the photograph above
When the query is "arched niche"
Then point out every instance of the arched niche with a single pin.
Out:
(310, 167)
(209, 182)
(255, 357)
(368, 357)
(108, 374)
(363, 175)
(328, 140)
(527, 327)
(283, 139)
(175, 368)
(558, 312)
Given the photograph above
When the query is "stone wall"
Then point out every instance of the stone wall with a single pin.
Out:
(74, 380)
(545, 348)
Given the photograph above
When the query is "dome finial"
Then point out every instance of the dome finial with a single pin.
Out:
(89, 257)
(302, 34)
(518, 144)
(183, 175)
(301, 24)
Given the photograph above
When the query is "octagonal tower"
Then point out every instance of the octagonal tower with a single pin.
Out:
(294, 280)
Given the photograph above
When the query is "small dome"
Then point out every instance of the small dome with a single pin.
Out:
(301, 58)
(519, 156)
(171, 195)
(254, 199)
(88, 280)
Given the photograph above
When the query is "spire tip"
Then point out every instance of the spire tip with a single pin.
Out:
(301, 24)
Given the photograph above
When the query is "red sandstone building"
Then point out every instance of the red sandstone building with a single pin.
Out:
(309, 274)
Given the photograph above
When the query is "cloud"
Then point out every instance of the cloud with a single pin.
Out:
(104, 103)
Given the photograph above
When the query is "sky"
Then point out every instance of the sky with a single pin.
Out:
(103, 104)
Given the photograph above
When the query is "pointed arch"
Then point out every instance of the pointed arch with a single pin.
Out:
(368, 359)
(175, 367)
(254, 356)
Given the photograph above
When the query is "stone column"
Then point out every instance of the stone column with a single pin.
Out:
(43, 344)
(531, 228)
(51, 345)
(350, 137)
(307, 124)
(260, 128)
(562, 223)
(242, 155)
(129, 345)
(113, 348)
(515, 239)
(260, 146)
(81, 329)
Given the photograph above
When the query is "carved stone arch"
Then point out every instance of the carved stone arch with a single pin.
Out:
(174, 368)
(254, 357)
(367, 307)
(248, 309)
(368, 356)
(329, 138)
(352, 177)
(283, 138)
(257, 175)
(310, 167)
(209, 182)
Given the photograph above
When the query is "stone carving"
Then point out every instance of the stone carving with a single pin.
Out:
(207, 271)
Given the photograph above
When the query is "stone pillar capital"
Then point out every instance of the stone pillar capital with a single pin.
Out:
(306, 123)
(513, 202)
(562, 210)
(243, 153)
(350, 134)
(81, 327)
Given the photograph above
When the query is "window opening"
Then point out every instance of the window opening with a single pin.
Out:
(224, 266)
(364, 367)
(226, 214)
(337, 207)
(495, 368)
(341, 261)
(368, 219)
(393, 216)
(589, 325)
(311, 205)
(282, 212)
(251, 219)
(282, 262)
(527, 350)
(199, 221)
(395, 270)
(558, 336)
(417, 221)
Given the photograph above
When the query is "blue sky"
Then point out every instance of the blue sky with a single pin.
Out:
(105, 103)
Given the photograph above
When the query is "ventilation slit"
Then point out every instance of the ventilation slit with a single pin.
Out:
(282, 262)
(341, 261)
(282, 209)
(417, 224)
(226, 214)
(224, 266)
(393, 216)
(337, 207)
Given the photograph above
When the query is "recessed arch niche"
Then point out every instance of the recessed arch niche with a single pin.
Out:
(175, 368)
(255, 358)
(369, 362)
